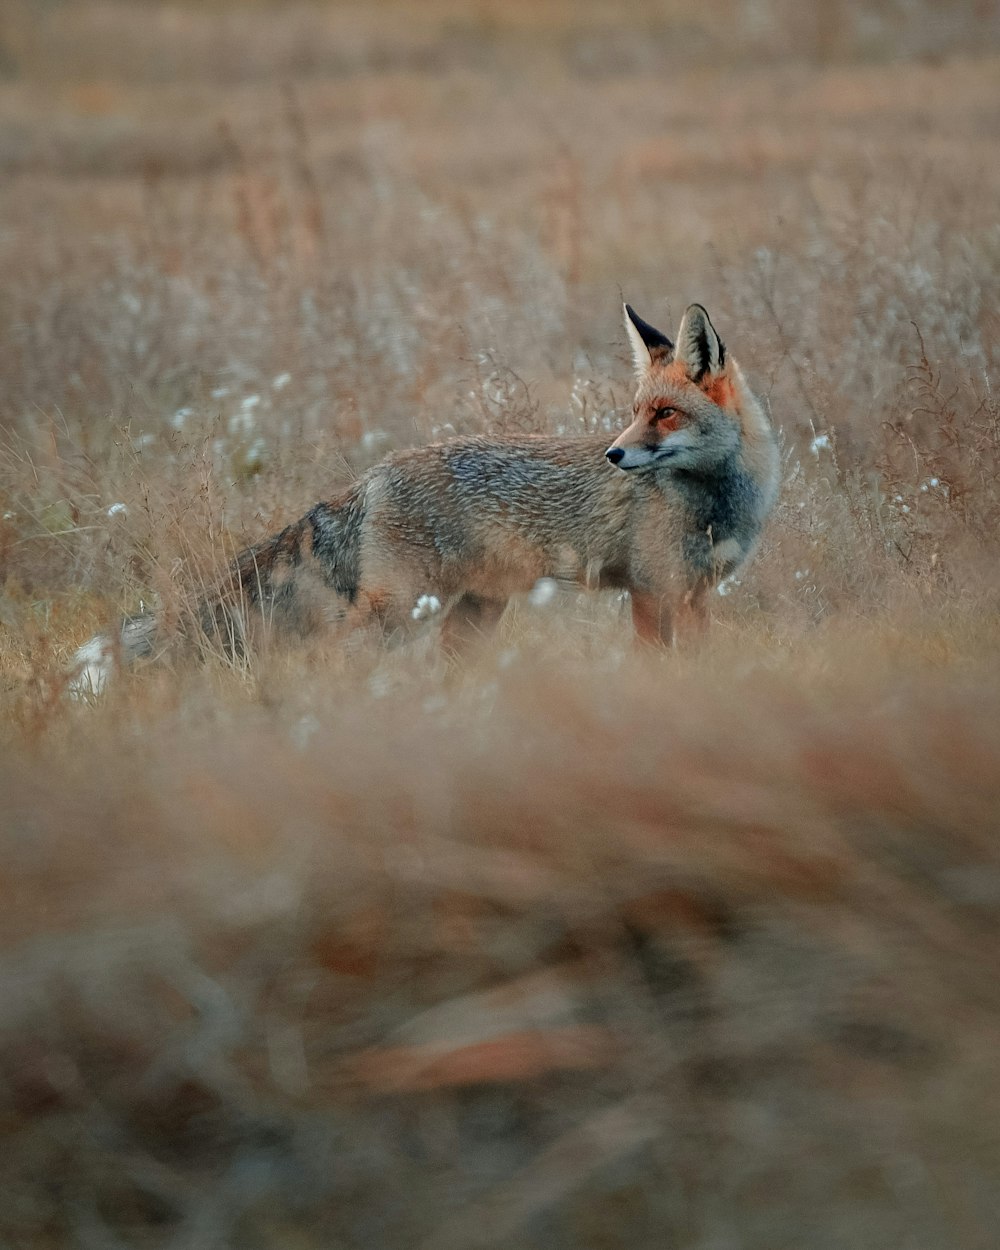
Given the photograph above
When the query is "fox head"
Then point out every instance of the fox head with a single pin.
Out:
(689, 404)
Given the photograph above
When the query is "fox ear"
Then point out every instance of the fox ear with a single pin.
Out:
(699, 348)
(647, 343)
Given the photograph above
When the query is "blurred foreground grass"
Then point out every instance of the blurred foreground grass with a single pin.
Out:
(583, 951)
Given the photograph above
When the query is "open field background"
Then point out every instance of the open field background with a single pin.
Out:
(576, 947)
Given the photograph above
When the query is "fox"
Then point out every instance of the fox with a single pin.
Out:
(674, 505)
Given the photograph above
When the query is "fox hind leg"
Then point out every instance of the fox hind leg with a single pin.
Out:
(470, 622)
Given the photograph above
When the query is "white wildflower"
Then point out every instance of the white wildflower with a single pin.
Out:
(118, 509)
(373, 441)
(303, 730)
(379, 685)
(543, 592)
(427, 606)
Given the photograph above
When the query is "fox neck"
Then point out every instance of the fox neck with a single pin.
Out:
(708, 479)
(725, 505)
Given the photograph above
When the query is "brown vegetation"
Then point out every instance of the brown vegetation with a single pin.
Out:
(577, 947)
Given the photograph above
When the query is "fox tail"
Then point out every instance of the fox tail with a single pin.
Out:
(93, 664)
(298, 580)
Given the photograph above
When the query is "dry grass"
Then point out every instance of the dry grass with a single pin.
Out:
(577, 947)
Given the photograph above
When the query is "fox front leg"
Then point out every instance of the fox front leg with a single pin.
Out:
(652, 618)
(691, 620)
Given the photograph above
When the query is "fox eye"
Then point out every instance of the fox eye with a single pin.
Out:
(661, 414)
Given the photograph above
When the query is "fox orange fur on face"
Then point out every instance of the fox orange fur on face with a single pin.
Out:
(673, 505)
(692, 406)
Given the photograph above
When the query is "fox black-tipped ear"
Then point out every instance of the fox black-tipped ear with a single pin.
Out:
(647, 343)
(699, 348)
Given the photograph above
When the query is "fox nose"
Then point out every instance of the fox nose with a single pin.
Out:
(614, 454)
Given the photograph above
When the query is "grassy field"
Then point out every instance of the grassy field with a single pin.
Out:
(575, 947)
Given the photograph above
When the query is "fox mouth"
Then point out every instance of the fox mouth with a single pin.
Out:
(651, 463)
